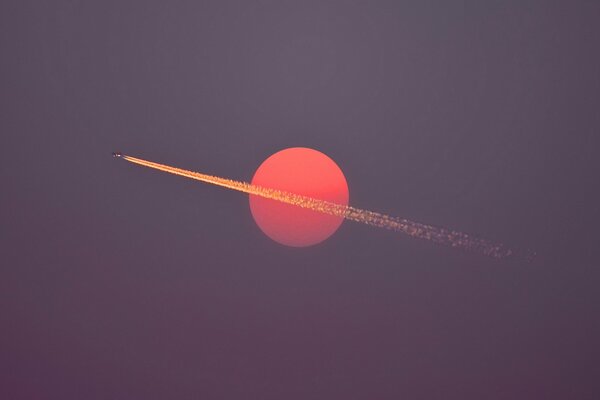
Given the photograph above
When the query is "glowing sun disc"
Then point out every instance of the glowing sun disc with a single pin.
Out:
(305, 172)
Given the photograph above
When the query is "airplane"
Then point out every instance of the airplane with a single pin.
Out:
(117, 154)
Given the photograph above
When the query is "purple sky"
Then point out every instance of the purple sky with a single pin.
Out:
(118, 282)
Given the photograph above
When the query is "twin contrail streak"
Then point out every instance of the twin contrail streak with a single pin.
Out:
(414, 229)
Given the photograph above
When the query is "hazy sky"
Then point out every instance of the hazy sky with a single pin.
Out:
(119, 282)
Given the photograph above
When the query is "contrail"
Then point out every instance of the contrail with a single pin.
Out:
(434, 234)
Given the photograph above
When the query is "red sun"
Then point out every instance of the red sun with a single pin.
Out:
(306, 172)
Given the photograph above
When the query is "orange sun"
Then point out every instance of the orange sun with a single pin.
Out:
(306, 172)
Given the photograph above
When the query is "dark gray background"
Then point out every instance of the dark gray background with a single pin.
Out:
(119, 282)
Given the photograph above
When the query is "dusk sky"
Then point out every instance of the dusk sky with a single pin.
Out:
(122, 282)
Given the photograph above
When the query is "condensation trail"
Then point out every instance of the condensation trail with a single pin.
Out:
(414, 229)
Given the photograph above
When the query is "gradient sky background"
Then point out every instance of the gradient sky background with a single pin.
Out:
(119, 282)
